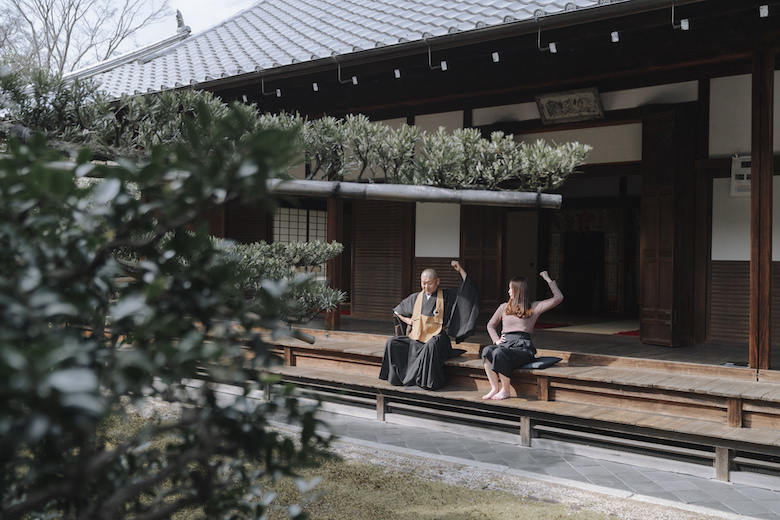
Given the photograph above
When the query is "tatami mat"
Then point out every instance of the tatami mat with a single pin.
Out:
(607, 327)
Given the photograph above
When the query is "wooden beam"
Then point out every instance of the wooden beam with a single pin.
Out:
(761, 208)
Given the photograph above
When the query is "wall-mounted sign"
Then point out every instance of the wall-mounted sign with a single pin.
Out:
(566, 107)
(740, 176)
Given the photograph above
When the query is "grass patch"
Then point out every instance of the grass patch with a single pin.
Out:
(352, 490)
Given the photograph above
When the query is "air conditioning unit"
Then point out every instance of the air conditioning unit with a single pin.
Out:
(740, 176)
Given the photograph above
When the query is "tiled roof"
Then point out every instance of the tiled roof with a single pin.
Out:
(279, 33)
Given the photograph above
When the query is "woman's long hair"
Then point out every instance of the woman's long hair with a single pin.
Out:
(520, 303)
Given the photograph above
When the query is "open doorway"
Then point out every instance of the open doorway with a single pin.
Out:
(583, 270)
(592, 249)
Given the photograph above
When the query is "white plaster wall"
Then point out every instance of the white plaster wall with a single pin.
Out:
(730, 115)
(431, 122)
(636, 97)
(298, 171)
(504, 113)
(393, 123)
(616, 143)
(731, 222)
(437, 229)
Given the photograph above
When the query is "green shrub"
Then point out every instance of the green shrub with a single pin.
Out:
(76, 344)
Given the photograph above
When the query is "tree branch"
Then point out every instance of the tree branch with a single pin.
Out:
(99, 152)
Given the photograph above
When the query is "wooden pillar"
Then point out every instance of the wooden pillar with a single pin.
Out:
(734, 412)
(289, 356)
(216, 220)
(542, 388)
(335, 226)
(526, 431)
(723, 463)
(703, 203)
(761, 208)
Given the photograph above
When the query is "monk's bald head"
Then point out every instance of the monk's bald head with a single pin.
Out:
(429, 281)
(430, 273)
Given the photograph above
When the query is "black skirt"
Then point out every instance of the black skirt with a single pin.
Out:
(516, 350)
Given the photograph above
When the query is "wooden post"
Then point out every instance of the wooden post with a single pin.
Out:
(543, 388)
(761, 209)
(526, 431)
(289, 356)
(734, 411)
(335, 226)
(723, 460)
(381, 407)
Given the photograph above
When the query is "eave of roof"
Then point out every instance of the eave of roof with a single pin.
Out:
(617, 8)
(237, 50)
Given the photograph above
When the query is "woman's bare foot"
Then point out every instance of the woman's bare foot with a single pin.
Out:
(489, 395)
(500, 395)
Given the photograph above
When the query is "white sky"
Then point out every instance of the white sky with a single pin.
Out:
(198, 14)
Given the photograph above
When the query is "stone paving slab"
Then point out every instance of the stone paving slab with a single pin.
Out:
(729, 500)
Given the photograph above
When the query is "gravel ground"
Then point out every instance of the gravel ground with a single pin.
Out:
(475, 477)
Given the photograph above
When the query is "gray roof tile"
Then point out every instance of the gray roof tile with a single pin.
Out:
(277, 33)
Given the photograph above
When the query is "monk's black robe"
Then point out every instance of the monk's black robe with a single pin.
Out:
(412, 363)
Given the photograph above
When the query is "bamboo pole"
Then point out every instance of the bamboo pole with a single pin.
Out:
(398, 192)
(403, 192)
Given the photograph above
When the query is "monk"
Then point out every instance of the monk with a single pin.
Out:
(434, 314)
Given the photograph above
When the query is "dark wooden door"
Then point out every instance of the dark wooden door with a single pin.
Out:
(666, 228)
(481, 232)
(656, 299)
(656, 325)
(382, 251)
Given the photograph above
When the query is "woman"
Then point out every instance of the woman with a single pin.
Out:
(513, 348)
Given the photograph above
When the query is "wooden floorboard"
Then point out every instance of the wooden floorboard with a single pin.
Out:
(626, 347)
(663, 396)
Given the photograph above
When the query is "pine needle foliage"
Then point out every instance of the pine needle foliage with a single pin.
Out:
(349, 149)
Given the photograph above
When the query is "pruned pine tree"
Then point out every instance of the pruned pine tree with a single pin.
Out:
(351, 149)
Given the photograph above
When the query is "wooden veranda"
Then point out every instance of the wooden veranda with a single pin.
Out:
(691, 408)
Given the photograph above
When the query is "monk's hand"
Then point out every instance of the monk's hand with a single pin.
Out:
(456, 265)
(458, 268)
(546, 276)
